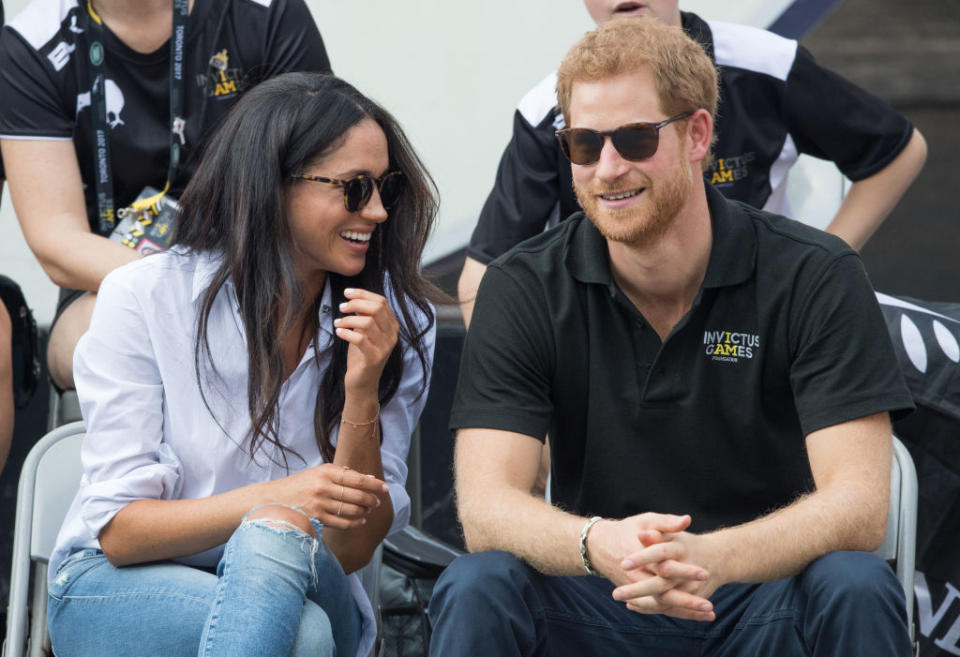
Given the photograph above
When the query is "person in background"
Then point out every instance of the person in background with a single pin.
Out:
(78, 151)
(250, 393)
(716, 382)
(6, 356)
(775, 103)
(6, 384)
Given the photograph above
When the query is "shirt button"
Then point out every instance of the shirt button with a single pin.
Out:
(325, 309)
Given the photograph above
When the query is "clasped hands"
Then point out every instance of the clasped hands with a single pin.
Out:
(657, 566)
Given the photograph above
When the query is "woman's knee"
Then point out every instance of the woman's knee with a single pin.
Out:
(281, 517)
(70, 326)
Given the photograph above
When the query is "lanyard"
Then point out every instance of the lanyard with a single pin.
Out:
(101, 127)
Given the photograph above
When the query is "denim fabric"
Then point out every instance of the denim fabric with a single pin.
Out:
(277, 591)
(844, 604)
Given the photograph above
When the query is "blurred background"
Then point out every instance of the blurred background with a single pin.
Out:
(452, 73)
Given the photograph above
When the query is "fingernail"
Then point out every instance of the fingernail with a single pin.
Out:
(617, 595)
(349, 290)
(336, 322)
(339, 331)
(702, 576)
(343, 306)
(385, 488)
(706, 606)
(626, 564)
(363, 521)
(378, 504)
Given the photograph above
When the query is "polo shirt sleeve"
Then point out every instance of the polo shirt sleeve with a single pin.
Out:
(121, 396)
(292, 41)
(833, 119)
(505, 370)
(844, 366)
(526, 189)
(31, 106)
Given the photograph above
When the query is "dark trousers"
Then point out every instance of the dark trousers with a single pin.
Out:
(844, 604)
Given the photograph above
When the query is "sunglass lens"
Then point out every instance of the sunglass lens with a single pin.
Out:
(357, 192)
(635, 142)
(582, 146)
(391, 187)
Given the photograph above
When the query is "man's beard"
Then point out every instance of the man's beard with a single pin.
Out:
(643, 223)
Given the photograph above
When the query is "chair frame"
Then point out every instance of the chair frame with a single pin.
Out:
(27, 557)
(900, 542)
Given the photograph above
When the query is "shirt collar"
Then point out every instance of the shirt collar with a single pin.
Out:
(207, 264)
(697, 29)
(732, 254)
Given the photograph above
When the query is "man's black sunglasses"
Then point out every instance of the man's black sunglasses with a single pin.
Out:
(358, 190)
(634, 141)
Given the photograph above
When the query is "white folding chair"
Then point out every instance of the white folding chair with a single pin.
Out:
(900, 543)
(48, 482)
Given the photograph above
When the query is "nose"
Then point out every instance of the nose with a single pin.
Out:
(611, 164)
(374, 210)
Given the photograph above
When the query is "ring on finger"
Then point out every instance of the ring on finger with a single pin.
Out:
(340, 508)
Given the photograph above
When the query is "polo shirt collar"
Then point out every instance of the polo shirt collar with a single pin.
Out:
(586, 254)
(732, 255)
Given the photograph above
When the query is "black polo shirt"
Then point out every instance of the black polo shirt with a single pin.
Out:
(785, 337)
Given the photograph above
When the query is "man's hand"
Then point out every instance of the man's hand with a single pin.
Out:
(670, 558)
(641, 555)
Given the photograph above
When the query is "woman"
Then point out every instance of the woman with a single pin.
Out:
(68, 190)
(255, 386)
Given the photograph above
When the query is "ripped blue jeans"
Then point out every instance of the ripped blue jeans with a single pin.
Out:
(276, 591)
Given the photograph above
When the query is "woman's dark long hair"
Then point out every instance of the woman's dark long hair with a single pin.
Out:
(234, 206)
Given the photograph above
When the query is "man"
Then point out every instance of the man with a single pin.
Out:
(775, 103)
(715, 381)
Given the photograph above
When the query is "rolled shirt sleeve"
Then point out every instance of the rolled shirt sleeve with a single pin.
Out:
(121, 397)
(399, 418)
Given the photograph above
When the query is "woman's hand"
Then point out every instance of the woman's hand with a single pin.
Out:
(372, 333)
(335, 495)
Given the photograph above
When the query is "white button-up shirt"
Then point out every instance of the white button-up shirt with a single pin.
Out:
(149, 433)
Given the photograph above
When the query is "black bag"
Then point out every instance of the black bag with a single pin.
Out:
(412, 562)
(926, 337)
(26, 363)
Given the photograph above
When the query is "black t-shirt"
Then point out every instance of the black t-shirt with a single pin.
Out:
(231, 45)
(775, 102)
(785, 337)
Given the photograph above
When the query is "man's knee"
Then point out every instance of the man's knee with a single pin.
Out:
(484, 581)
(852, 579)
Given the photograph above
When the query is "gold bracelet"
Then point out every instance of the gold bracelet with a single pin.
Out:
(360, 425)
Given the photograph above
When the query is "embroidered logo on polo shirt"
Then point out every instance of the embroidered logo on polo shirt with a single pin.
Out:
(730, 346)
(727, 170)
